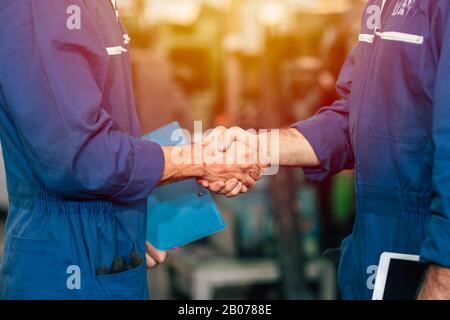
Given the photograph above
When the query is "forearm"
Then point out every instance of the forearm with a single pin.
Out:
(436, 285)
(293, 149)
(180, 164)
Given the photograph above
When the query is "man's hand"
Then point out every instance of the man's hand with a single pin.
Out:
(235, 164)
(436, 285)
(230, 169)
(226, 140)
(154, 257)
(285, 147)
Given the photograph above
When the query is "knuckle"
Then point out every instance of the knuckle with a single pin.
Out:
(221, 129)
(222, 170)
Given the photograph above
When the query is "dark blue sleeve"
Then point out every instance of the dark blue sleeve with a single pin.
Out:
(52, 80)
(328, 131)
(436, 248)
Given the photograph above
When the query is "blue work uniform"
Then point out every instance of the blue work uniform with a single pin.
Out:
(77, 171)
(392, 124)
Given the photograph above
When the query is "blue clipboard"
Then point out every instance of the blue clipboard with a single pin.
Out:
(182, 212)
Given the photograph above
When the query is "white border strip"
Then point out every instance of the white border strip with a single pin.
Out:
(366, 38)
(114, 51)
(392, 36)
(401, 37)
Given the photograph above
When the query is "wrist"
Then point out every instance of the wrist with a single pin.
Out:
(182, 162)
(436, 284)
(195, 167)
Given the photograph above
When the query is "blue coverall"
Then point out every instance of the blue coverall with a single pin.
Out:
(77, 171)
(392, 124)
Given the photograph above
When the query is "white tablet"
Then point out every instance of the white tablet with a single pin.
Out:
(398, 277)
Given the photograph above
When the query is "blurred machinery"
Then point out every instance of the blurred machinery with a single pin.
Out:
(176, 59)
(256, 64)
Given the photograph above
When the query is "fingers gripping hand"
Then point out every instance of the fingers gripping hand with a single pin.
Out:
(241, 147)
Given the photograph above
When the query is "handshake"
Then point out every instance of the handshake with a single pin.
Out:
(227, 161)
(233, 161)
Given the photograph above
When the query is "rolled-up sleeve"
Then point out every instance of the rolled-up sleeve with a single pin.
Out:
(52, 80)
(436, 248)
(328, 131)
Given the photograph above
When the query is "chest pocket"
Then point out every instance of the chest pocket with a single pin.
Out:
(402, 41)
(115, 43)
(398, 109)
(111, 29)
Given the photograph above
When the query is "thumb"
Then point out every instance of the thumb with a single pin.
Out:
(230, 136)
(226, 143)
(265, 162)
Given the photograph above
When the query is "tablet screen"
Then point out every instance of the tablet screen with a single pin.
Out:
(403, 279)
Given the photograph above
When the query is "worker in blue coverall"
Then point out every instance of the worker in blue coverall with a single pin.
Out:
(77, 171)
(392, 125)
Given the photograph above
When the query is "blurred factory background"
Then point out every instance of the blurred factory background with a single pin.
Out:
(254, 64)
